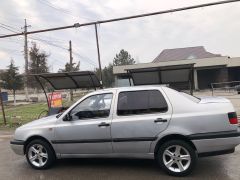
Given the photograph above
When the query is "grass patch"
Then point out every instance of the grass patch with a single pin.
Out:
(21, 114)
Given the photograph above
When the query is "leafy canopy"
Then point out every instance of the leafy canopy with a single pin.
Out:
(123, 58)
(68, 68)
(11, 79)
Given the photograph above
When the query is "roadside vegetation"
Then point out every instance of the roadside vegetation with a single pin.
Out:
(21, 114)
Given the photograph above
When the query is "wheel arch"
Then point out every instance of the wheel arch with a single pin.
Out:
(173, 137)
(34, 137)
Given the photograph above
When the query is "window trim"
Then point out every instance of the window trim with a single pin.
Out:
(95, 117)
(142, 113)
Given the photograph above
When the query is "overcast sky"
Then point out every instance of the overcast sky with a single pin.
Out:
(217, 28)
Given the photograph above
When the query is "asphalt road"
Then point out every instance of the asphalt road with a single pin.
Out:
(14, 167)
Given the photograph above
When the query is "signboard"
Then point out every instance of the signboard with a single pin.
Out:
(4, 96)
(55, 99)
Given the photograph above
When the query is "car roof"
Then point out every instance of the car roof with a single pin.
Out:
(142, 87)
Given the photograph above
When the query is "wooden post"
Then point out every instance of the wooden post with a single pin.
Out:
(1, 101)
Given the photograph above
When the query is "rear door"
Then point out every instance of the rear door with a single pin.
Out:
(139, 116)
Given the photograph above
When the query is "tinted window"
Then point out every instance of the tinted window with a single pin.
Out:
(141, 102)
(96, 106)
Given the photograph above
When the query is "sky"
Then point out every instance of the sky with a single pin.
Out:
(217, 28)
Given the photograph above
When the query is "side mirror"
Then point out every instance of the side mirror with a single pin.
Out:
(67, 117)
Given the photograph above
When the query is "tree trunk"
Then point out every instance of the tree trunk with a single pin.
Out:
(14, 97)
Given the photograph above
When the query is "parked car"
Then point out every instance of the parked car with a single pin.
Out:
(237, 88)
(142, 122)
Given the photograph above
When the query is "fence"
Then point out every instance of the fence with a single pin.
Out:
(225, 88)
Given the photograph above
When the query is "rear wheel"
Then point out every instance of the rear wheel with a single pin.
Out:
(177, 158)
(39, 154)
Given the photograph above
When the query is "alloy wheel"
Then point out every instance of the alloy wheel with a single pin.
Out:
(176, 158)
(37, 155)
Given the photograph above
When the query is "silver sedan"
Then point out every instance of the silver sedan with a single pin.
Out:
(142, 122)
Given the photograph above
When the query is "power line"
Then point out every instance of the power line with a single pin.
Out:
(10, 26)
(8, 29)
(59, 9)
(61, 47)
(77, 25)
(49, 4)
(48, 42)
(84, 58)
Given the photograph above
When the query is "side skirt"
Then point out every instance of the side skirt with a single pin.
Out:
(112, 155)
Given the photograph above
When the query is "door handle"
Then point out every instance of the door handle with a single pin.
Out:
(103, 124)
(160, 120)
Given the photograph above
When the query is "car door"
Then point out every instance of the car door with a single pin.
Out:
(139, 116)
(88, 131)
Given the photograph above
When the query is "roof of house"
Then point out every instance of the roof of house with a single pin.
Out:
(187, 53)
(198, 63)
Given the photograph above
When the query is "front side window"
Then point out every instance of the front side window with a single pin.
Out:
(96, 106)
(141, 102)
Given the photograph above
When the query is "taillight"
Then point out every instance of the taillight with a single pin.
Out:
(232, 116)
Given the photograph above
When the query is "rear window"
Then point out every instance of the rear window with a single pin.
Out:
(141, 102)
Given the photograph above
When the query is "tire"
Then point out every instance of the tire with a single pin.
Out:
(176, 157)
(40, 154)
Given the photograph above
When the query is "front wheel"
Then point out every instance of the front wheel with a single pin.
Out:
(177, 158)
(39, 154)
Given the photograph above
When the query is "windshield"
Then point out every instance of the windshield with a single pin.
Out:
(190, 97)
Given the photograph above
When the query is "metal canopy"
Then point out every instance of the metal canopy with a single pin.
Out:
(173, 75)
(71, 80)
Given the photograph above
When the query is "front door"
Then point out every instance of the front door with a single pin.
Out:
(88, 132)
(139, 117)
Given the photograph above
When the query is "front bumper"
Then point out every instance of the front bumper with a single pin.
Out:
(17, 146)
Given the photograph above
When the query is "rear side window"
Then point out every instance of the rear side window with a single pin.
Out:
(141, 102)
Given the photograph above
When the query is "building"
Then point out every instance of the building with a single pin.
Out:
(207, 67)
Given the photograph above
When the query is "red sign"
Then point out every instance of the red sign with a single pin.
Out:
(55, 99)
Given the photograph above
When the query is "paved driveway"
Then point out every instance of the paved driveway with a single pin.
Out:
(14, 167)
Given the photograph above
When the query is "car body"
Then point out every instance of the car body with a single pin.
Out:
(140, 122)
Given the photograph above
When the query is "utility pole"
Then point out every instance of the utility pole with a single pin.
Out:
(26, 60)
(2, 107)
(99, 59)
(71, 68)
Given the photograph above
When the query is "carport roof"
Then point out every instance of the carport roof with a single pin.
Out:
(71, 80)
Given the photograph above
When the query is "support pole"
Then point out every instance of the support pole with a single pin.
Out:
(99, 59)
(71, 67)
(2, 107)
(26, 61)
(45, 93)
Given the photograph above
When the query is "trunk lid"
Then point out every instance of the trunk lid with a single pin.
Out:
(206, 100)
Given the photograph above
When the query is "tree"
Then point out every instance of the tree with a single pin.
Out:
(123, 58)
(11, 79)
(37, 64)
(108, 77)
(75, 67)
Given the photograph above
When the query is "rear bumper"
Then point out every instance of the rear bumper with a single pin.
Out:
(17, 146)
(216, 153)
(216, 143)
